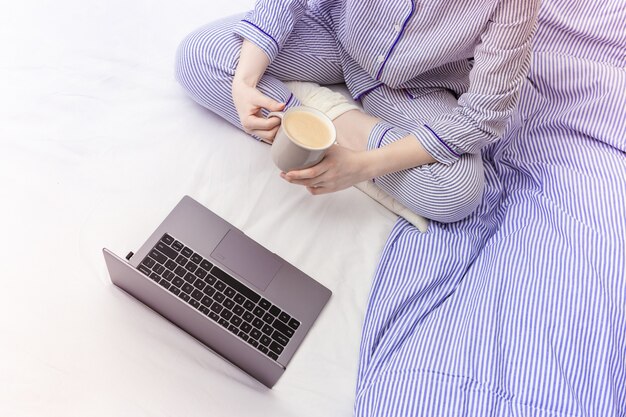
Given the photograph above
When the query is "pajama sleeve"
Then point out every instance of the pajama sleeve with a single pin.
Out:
(270, 23)
(501, 65)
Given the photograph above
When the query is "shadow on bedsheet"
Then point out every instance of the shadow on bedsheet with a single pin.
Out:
(520, 309)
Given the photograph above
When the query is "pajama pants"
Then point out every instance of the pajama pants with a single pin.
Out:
(205, 66)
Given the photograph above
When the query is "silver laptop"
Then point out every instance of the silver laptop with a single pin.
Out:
(206, 276)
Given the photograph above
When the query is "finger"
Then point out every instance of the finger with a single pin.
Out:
(318, 190)
(261, 123)
(308, 173)
(266, 102)
(265, 135)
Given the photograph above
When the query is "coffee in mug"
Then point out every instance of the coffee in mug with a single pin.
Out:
(303, 138)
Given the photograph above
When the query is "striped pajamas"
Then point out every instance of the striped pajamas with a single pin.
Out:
(412, 65)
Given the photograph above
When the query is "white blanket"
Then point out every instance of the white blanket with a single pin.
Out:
(97, 144)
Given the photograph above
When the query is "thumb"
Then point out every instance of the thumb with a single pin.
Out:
(268, 103)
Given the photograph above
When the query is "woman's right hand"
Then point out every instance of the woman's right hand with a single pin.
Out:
(248, 102)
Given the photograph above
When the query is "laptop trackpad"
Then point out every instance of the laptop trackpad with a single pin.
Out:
(248, 259)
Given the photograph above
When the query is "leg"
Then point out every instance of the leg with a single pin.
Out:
(435, 191)
(207, 58)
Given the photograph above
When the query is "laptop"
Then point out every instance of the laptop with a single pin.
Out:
(207, 277)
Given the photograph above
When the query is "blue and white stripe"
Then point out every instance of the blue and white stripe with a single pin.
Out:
(519, 310)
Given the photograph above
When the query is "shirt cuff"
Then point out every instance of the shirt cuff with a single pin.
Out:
(436, 146)
(255, 34)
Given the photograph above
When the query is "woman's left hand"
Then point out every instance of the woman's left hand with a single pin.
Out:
(340, 169)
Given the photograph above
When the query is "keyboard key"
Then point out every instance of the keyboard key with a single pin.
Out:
(223, 323)
(204, 310)
(219, 297)
(265, 341)
(258, 311)
(178, 282)
(267, 329)
(158, 269)
(206, 264)
(199, 284)
(201, 273)
(166, 250)
(148, 262)
(213, 316)
(235, 284)
(248, 305)
(174, 290)
(243, 335)
(293, 323)
(219, 285)
(163, 283)
(276, 348)
(253, 342)
(167, 239)
(191, 267)
(233, 329)
(273, 355)
(226, 314)
(181, 260)
(187, 288)
(284, 317)
(228, 303)
(168, 275)
(229, 292)
(216, 308)
(171, 265)
(197, 294)
(189, 277)
(255, 334)
(245, 327)
(194, 303)
(238, 310)
(264, 303)
(284, 329)
(268, 318)
(210, 279)
(155, 277)
(180, 271)
(158, 256)
(143, 269)
(279, 337)
(177, 246)
(263, 349)
(206, 300)
(209, 291)
(235, 321)
(184, 296)
(247, 316)
(187, 252)
(239, 299)
(196, 258)
(257, 322)
(275, 311)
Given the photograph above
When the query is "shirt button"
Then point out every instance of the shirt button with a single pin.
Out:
(381, 58)
(397, 28)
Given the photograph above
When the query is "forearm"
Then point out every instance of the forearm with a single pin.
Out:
(397, 156)
(252, 64)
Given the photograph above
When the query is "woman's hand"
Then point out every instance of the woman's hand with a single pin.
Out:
(340, 169)
(248, 99)
(248, 102)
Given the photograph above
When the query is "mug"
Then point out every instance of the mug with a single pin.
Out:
(288, 153)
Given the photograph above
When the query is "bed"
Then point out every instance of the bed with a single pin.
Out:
(517, 311)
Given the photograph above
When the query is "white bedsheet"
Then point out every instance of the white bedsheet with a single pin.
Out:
(97, 144)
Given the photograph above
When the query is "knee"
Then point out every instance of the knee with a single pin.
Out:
(460, 192)
(205, 56)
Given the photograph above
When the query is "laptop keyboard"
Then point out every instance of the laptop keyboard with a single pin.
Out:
(219, 296)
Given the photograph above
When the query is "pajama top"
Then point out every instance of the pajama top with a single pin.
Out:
(479, 50)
